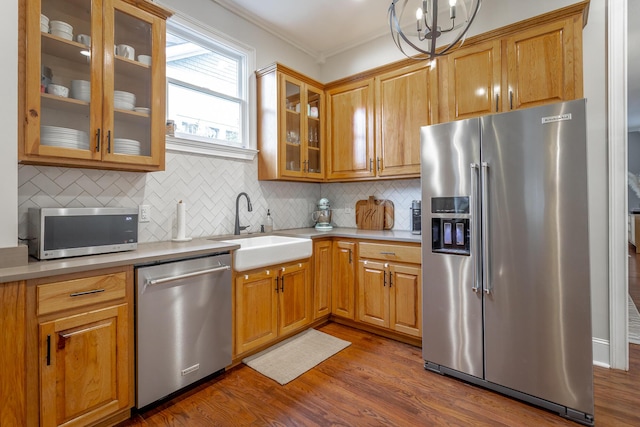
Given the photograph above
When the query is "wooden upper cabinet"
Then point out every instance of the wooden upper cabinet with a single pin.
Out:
(544, 64)
(403, 105)
(350, 151)
(473, 80)
(93, 125)
(290, 126)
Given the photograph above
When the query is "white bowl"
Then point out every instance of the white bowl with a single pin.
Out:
(60, 25)
(145, 59)
(44, 28)
(58, 90)
(62, 34)
(44, 18)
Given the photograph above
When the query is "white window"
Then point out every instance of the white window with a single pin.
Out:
(208, 92)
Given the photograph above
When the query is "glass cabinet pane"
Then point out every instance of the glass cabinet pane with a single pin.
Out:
(293, 127)
(65, 82)
(132, 85)
(314, 131)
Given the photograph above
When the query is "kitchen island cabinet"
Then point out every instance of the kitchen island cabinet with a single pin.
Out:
(93, 125)
(270, 303)
(83, 347)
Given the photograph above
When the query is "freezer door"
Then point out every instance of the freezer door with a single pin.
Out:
(452, 310)
(537, 312)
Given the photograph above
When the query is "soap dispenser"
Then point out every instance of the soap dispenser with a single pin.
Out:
(268, 222)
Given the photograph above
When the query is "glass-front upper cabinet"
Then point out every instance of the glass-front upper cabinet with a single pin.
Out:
(94, 84)
(302, 133)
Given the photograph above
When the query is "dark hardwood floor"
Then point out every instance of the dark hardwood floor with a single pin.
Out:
(378, 382)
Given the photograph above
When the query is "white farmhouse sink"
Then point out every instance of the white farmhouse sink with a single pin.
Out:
(262, 251)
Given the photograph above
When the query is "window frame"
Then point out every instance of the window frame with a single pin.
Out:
(193, 30)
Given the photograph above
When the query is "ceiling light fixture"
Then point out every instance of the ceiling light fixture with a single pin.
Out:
(461, 15)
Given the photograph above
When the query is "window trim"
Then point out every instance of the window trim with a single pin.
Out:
(181, 24)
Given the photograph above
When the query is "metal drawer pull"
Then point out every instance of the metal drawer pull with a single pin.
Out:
(387, 253)
(93, 291)
(222, 267)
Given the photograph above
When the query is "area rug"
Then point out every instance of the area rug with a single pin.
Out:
(634, 323)
(294, 356)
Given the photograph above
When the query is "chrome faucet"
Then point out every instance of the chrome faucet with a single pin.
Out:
(249, 208)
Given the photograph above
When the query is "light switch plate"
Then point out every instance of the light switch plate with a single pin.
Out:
(144, 213)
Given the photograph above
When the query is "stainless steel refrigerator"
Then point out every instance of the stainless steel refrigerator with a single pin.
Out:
(505, 255)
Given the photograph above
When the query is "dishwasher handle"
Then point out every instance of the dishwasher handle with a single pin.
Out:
(221, 267)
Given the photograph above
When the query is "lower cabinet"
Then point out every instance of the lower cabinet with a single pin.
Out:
(269, 303)
(85, 348)
(343, 279)
(322, 278)
(390, 293)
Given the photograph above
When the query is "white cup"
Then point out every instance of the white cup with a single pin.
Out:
(145, 59)
(85, 39)
(126, 51)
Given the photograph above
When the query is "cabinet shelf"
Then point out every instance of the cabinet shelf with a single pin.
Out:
(65, 49)
(70, 105)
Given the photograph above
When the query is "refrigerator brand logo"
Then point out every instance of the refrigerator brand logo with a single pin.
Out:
(560, 118)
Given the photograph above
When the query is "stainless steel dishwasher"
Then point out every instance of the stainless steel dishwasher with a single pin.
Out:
(183, 324)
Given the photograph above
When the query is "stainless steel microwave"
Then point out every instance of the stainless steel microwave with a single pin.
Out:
(67, 232)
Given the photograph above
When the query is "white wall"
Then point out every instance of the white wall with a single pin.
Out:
(8, 124)
(497, 13)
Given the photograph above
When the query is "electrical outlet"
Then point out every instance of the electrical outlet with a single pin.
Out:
(144, 213)
(348, 211)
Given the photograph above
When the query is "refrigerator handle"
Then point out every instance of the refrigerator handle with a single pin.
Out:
(485, 229)
(475, 227)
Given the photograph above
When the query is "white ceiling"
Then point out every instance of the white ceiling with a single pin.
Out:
(316, 28)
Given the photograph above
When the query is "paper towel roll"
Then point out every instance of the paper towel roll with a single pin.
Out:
(180, 219)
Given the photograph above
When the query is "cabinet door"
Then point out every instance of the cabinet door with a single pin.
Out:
(314, 157)
(373, 293)
(292, 126)
(256, 308)
(59, 125)
(541, 65)
(350, 131)
(473, 80)
(295, 297)
(134, 92)
(402, 107)
(321, 278)
(405, 285)
(84, 367)
(343, 280)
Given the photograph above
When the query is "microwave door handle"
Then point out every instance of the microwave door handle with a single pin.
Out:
(485, 229)
(475, 227)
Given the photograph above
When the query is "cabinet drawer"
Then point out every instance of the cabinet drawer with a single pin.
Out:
(401, 253)
(70, 294)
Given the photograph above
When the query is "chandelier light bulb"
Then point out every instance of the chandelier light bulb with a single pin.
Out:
(419, 14)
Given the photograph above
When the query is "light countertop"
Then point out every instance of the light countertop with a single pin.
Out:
(163, 251)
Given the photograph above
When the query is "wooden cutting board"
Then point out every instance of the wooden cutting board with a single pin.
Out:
(374, 214)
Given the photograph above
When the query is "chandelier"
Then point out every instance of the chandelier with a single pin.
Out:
(430, 26)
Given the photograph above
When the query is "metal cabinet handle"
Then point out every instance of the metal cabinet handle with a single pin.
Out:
(282, 284)
(108, 141)
(388, 253)
(497, 101)
(511, 100)
(93, 291)
(277, 278)
(48, 350)
(475, 227)
(370, 164)
(221, 267)
(378, 162)
(350, 256)
(390, 279)
(98, 140)
(385, 278)
(485, 229)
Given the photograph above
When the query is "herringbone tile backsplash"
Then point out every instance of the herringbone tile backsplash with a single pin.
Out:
(209, 186)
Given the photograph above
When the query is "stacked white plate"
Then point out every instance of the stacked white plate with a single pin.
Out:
(61, 29)
(44, 23)
(81, 89)
(126, 146)
(64, 137)
(124, 100)
(144, 110)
